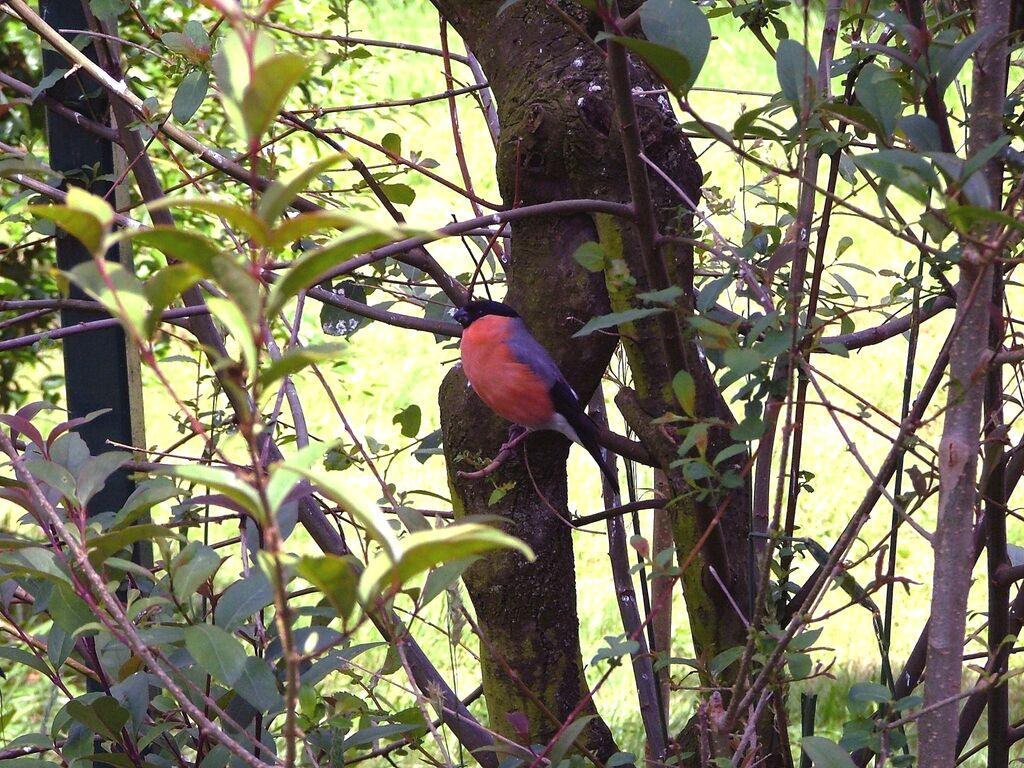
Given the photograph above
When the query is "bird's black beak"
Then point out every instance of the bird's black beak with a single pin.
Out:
(462, 317)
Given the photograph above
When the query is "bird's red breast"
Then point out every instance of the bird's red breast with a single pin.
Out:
(510, 388)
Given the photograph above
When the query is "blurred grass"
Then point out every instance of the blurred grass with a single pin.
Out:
(382, 370)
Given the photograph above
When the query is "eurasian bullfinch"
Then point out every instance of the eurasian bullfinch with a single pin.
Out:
(517, 379)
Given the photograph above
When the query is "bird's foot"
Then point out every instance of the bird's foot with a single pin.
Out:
(516, 434)
(496, 462)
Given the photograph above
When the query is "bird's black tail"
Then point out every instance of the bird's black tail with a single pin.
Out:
(567, 404)
(587, 431)
(595, 451)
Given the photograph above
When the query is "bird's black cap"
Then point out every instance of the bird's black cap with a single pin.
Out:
(474, 310)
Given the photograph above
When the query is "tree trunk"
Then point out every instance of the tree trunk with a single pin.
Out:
(560, 140)
(961, 431)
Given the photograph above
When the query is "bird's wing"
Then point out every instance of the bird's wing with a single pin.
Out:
(566, 402)
(528, 350)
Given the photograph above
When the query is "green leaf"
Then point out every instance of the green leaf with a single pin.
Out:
(671, 66)
(825, 753)
(617, 647)
(59, 645)
(284, 475)
(429, 446)
(239, 326)
(921, 132)
(221, 479)
(196, 32)
(177, 42)
(165, 287)
(696, 434)
(796, 72)
(231, 65)
(83, 215)
(367, 515)
(44, 84)
(177, 245)
(280, 194)
(374, 733)
(34, 561)
(615, 319)
(799, 665)
(619, 759)
(18, 656)
(148, 493)
(335, 577)
(805, 639)
(979, 158)
(69, 611)
(570, 734)
(685, 390)
(101, 714)
(681, 26)
(192, 568)
(257, 685)
(1015, 554)
(242, 599)
(306, 224)
(102, 547)
(399, 194)
(296, 359)
(835, 348)
(950, 64)
(310, 268)
(751, 428)
(410, 418)
(92, 476)
(53, 475)
(237, 215)
(190, 95)
(590, 256)
(216, 651)
(426, 549)
(709, 293)
(869, 693)
(336, 321)
(392, 142)
(879, 94)
(667, 296)
(722, 661)
(442, 577)
(108, 10)
(117, 289)
(742, 360)
(264, 94)
(905, 170)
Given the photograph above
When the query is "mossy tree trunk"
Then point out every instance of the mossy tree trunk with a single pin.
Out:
(560, 140)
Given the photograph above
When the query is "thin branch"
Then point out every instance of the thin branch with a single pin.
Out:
(57, 107)
(646, 682)
(890, 328)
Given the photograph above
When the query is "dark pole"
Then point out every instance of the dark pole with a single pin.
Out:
(96, 364)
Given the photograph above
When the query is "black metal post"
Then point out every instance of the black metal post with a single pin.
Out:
(95, 364)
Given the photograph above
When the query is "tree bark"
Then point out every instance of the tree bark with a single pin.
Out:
(960, 445)
(560, 140)
(527, 611)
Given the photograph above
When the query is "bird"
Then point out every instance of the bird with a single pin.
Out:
(517, 379)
